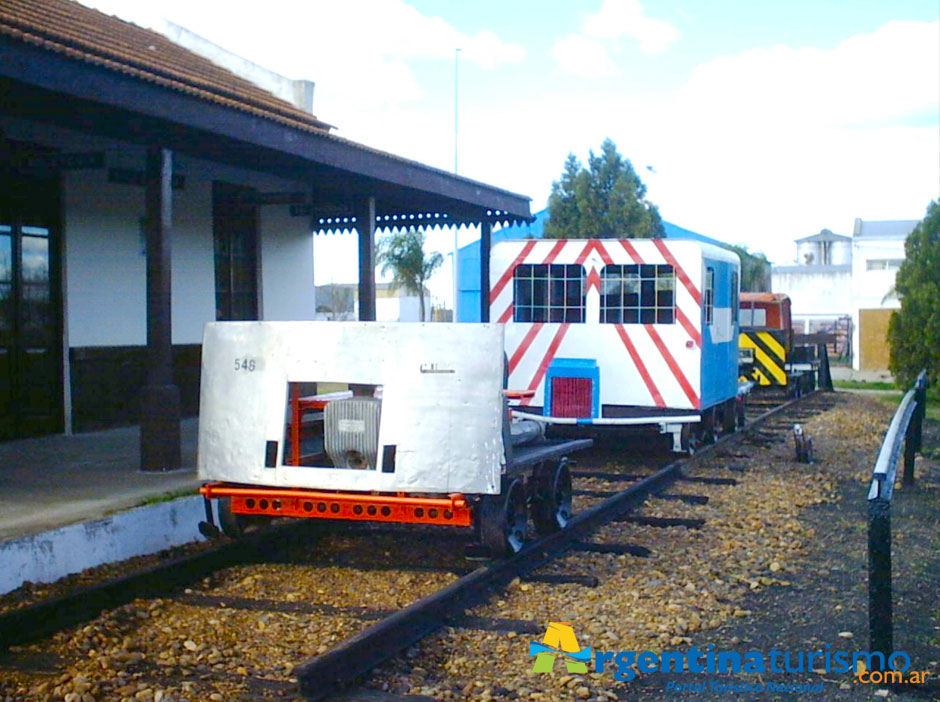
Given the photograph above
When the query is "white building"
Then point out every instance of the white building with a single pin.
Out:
(144, 191)
(820, 286)
(845, 285)
(877, 253)
(340, 302)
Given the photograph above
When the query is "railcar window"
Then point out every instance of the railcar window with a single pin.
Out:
(548, 293)
(638, 294)
(734, 298)
(708, 300)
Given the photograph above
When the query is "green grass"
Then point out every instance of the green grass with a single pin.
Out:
(156, 499)
(894, 399)
(863, 385)
(167, 497)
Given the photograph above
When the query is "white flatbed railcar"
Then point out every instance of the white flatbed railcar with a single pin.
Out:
(420, 432)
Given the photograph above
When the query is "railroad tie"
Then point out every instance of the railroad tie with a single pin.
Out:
(497, 624)
(688, 499)
(616, 549)
(708, 481)
(595, 493)
(563, 579)
(686, 522)
(613, 477)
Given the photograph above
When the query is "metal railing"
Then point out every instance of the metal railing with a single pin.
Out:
(905, 428)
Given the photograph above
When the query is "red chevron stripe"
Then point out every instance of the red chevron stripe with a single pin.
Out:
(630, 249)
(595, 245)
(524, 346)
(507, 274)
(507, 315)
(680, 274)
(549, 355)
(673, 366)
(556, 249)
(689, 327)
(640, 366)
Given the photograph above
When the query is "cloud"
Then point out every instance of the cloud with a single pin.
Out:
(869, 77)
(364, 65)
(588, 53)
(581, 56)
(625, 18)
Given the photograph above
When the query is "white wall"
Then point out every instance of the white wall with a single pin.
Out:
(288, 291)
(105, 263)
(872, 289)
(813, 291)
(193, 262)
(400, 309)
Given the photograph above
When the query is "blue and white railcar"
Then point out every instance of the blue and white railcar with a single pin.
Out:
(621, 332)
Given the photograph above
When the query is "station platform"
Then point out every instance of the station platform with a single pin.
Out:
(53, 481)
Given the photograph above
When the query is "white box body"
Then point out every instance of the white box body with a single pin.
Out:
(441, 401)
(684, 366)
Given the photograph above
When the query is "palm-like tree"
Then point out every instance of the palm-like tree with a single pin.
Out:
(402, 253)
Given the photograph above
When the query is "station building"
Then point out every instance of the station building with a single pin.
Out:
(146, 190)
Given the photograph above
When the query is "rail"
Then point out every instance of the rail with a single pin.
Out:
(325, 674)
(905, 428)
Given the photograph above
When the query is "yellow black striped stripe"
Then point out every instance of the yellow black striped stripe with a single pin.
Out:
(770, 357)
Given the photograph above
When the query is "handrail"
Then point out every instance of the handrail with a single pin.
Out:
(886, 466)
(905, 428)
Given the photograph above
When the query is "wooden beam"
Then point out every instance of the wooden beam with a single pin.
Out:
(365, 226)
(160, 398)
(486, 243)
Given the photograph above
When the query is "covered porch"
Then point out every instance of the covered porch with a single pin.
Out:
(144, 192)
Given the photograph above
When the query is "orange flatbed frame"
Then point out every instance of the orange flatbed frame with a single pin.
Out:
(453, 510)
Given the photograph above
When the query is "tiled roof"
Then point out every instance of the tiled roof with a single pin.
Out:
(85, 34)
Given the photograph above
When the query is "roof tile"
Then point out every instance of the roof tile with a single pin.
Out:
(83, 33)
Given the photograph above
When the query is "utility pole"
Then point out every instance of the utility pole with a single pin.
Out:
(456, 93)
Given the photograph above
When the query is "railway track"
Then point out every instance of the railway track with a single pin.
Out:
(362, 595)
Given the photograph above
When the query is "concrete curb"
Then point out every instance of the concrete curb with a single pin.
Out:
(50, 555)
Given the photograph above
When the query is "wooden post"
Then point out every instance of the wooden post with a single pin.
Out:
(159, 398)
(486, 243)
(365, 226)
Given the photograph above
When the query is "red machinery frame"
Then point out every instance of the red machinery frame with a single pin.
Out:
(453, 510)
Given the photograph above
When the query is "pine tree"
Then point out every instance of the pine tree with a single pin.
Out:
(606, 200)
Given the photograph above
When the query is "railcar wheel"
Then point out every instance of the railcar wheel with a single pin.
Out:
(551, 505)
(688, 439)
(237, 525)
(233, 525)
(503, 519)
(707, 428)
(728, 422)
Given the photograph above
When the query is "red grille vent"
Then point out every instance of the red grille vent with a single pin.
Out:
(572, 397)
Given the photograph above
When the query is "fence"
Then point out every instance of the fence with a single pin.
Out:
(905, 428)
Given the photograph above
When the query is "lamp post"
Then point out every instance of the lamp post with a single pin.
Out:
(456, 93)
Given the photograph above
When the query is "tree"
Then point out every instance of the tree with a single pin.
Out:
(755, 269)
(337, 301)
(606, 200)
(914, 330)
(402, 253)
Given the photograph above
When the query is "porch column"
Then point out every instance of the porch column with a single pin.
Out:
(159, 398)
(365, 226)
(486, 242)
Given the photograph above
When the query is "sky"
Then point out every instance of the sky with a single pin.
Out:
(752, 122)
